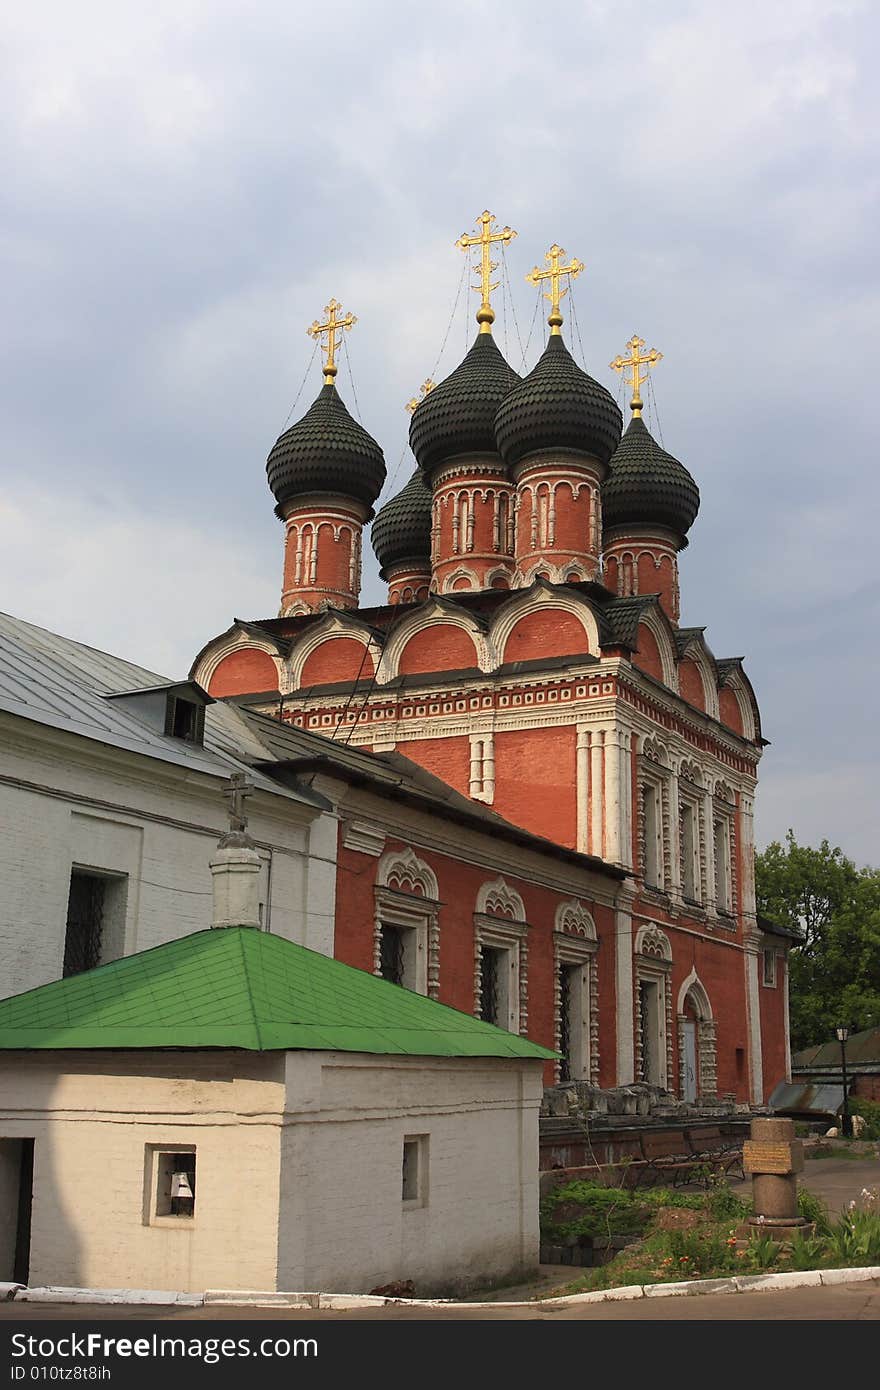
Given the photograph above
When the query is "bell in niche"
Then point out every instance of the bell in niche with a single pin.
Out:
(182, 1195)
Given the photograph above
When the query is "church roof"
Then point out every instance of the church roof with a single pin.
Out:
(402, 529)
(558, 406)
(647, 486)
(237, 987)
(326, 451)
(458, 416)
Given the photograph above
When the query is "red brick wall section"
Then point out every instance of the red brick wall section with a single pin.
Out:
(551, 632)
(772, 1025)
(337, 659)
(536, 781)
(722, 975)
(868, 1087)
(440, 647)
(458, 885)
(729, 710)
(690, 683)
(647, 658)
(246, 672)
(447, 758)
(609, 574)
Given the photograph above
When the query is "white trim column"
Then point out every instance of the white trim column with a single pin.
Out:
(612, 796)
(625, 1062)
(583, 787)
(753, 1016)
(597, 780)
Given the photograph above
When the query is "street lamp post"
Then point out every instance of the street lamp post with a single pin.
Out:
(845, 1120)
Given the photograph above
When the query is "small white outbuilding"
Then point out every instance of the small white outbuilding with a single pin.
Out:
(234, 1111)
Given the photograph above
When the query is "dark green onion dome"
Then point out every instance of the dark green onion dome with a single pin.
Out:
(557, 406)
(326, 451)
(458, 416)
(647, 486)
(402, 529)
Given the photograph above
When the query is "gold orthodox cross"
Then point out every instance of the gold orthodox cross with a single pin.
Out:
(334, 325)
(424, 390)
(484, 239)
(554, 274)
(636, 360)
(237, 788)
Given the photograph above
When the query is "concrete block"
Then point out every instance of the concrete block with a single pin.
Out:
(690, 1287)
(794, 1279)
(849, 1276)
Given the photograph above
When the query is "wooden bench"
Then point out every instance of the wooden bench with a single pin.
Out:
(666, 1158)
(721, 1155)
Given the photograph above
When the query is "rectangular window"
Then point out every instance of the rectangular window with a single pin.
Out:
(170, 1183)
(722, 865)
(769, 968)
(414, 1188)
(572, 1020)
(185, 719)
(649, 1008)
(652, 835)
(399, 955)
(689, 851)
(495, 965)
(95, 930)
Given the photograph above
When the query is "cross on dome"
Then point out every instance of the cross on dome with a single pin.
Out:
(636, 360)
(484, 239)
(554, 274)
(424, 390)
(335, 324)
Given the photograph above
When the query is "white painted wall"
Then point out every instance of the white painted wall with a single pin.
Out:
(343, 1223)
(298, 1168)
(66, 800)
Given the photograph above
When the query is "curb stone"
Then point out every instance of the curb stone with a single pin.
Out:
(219, 1298)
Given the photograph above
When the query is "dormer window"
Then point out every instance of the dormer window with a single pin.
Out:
(184, 718)
(176, 710)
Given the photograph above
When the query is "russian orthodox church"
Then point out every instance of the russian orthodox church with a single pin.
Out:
(531, 656)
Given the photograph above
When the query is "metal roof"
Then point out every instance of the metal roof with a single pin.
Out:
(812, 1099)
(237, 987)
(63, 684)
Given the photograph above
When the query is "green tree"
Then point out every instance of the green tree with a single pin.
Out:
(835, 970)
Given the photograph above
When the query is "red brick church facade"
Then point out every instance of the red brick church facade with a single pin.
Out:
(530, 657)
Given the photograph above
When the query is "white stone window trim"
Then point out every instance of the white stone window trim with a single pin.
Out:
(504, 934)
(576, 942)
(653, 964)
(406, 895)
(769, 978)
(153, 1154)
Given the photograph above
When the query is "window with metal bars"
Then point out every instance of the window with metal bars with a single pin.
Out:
(85, 923)
(391, 954)
(490, 986)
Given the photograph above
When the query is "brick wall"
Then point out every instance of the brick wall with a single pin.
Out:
(243, 673)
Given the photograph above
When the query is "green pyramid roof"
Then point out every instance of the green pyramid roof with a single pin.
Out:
(236, 987)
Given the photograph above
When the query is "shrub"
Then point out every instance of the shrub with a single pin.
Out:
(723, 1204)
(807, 1252)
(589, 1209)
(812, 1208)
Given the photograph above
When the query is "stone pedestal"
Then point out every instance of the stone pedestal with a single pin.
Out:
(774, 1158)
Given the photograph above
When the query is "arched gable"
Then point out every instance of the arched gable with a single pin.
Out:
(334, 627)
(542, 599)
(441, 647)
(698, 682)
(403, 870)
(498, 899)
(573, 919)
(655, 648)
(736, 687)
(337, 659)
(653, 943)
(693, 987)
(240, 663)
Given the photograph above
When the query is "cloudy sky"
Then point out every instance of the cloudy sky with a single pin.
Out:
(186, 183)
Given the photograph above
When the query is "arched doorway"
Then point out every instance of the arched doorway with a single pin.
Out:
(697, 1065)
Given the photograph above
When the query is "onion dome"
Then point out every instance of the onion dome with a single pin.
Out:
(557, 406)
(402, 529)
(326, 451)
(458, 416)
(647, 486)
